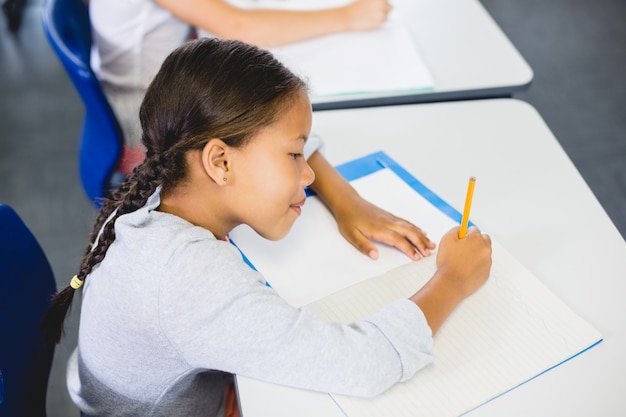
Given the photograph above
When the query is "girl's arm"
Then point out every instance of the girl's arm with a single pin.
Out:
(267, 28)
(360, 221)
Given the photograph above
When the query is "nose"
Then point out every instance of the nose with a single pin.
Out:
(308, 176)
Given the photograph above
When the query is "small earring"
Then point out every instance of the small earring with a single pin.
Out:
(225, 179)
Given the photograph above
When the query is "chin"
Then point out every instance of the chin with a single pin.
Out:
(274, 234)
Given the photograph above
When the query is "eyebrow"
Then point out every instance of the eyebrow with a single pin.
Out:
(302, 137)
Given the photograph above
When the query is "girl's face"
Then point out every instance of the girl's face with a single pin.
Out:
(269, 174)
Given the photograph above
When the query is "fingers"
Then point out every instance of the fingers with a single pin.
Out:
(405, 237)
(363, 245)
(476, 232)
(408, 238)
(468, 258)
(363, 223)
(473, 231)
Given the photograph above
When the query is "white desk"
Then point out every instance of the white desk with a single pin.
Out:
(534, 202)
(465, 51)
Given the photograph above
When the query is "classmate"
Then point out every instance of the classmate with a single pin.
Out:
(132, 38)
(170, 310)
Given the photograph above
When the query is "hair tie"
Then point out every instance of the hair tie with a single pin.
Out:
(76, 283)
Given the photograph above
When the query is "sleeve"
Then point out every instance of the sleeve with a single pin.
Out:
(314, 143)
(223, 317)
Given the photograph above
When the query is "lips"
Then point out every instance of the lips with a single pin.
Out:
(298, 206)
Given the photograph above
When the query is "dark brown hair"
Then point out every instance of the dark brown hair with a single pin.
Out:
(208, 88)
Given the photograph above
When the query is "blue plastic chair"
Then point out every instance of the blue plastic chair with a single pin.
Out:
(1, 389)
(27, 285)
(66, 23)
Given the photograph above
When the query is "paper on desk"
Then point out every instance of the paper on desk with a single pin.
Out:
(508, 332)
(511, 330)
(384, 60)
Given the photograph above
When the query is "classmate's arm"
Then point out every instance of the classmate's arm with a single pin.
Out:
(462, 267)
(266, 28)
(360, 221)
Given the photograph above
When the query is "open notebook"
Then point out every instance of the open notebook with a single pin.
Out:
(385, 60)
(511, 330)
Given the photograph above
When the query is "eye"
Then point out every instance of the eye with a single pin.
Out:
(295, 156)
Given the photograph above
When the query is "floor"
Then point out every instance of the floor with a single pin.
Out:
(577, 49)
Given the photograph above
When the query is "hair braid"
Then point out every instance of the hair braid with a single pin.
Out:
(131, 195)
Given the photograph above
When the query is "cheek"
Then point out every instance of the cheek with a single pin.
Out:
(277, 180)
(285, 172)
(263, 183)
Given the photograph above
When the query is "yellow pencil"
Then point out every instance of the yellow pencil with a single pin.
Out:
(468, 205)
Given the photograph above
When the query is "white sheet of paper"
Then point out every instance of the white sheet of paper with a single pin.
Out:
(383, 60)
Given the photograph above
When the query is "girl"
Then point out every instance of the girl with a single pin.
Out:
(170, 310)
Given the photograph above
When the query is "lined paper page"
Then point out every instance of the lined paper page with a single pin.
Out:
(508, 332)
(511, 330)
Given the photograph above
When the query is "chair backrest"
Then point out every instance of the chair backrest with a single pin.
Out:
(26, 288)
(66, 23)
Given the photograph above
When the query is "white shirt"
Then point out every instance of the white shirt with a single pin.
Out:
(131, 40)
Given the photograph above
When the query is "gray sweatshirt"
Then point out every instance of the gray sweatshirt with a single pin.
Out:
(172, 312)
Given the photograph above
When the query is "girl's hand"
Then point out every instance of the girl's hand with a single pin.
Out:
(464, 262)
(463, 265)
(361, 222)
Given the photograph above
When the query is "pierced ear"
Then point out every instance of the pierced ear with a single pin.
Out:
(215, 161)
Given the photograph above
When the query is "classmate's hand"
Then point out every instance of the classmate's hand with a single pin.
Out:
(464, 262)
(367, 14)
(360, 222)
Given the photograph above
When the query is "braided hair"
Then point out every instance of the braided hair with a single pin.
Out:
(207, 88)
